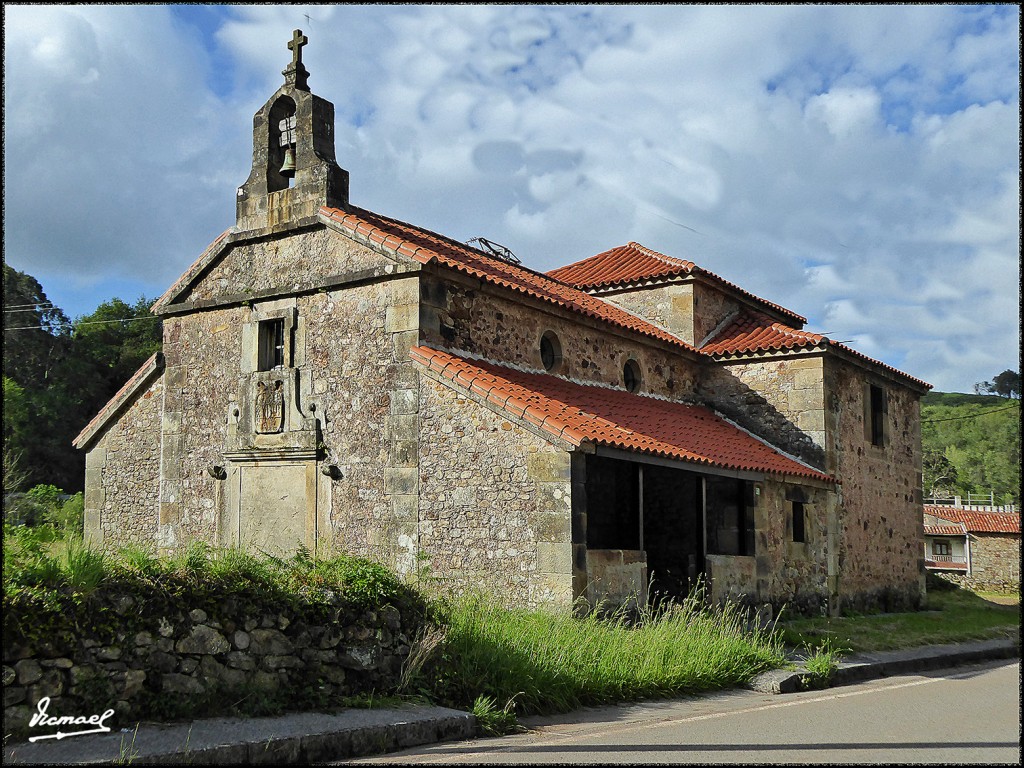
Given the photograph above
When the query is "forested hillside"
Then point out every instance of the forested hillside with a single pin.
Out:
(971, 443)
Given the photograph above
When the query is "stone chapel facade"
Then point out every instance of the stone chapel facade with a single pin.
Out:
(336, 379)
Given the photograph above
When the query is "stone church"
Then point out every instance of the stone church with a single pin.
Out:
(335, 379)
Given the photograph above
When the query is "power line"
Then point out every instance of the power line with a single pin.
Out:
(972, 416)
(82, 322)
(37, 304)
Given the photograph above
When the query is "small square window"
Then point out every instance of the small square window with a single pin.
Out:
(941, 548)
(272, 344)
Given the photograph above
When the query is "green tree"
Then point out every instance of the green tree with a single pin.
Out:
(61, 374)
(36, 333)
(1006, 384)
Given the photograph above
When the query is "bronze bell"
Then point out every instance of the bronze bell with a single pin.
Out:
(288, 167)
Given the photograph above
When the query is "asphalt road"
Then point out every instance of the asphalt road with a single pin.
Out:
(963, 715)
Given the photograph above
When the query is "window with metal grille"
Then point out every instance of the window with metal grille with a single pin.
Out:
(272, 344)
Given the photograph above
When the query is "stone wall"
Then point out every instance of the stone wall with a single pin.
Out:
(288, 260)
(690, 310)
(122, 471)
(880, 514)
(494, 501)
(791, 573)
(995, 562)
(461, 318)
(780, 399)
(182, 665)
(352, 394)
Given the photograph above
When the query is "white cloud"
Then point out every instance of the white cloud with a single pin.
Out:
(877, 144)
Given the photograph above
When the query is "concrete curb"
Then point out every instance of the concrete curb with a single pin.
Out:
(291, 739)
(885, 664)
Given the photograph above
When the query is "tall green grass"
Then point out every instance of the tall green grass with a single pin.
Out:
(549, 661)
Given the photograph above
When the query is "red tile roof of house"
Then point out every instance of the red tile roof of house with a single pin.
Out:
(756, 332)
(426, 247)
(614, 418)
(753, 332)
(976, 521)
(945, 530)
(635, 263)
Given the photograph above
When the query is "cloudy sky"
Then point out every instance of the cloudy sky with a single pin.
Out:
(859, 165)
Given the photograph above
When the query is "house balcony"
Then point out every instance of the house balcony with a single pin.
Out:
(946, 562)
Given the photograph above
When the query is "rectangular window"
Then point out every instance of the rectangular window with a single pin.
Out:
(799, 532)
(941, 548)
(271, 344)
(878, 409)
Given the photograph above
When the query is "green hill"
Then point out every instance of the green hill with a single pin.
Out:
(971, 444)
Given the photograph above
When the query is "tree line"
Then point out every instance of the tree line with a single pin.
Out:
(57, 375)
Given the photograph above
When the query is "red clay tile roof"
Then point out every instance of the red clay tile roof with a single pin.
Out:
(634, 263)
(945, 530)
(976, 521)
(613, 418)
(426, 247)
(753, 332)
(756, 332)
(141, 377)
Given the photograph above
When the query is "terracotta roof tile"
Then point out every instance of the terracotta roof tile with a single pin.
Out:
(977, 521)
(945, 530)
(426, 247)
(633, 263)
(615, 418)
(752, 332)
(756, 332)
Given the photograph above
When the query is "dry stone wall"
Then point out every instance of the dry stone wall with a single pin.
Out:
(183, 663)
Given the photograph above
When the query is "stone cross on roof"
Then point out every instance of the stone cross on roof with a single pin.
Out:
(296, 73)
(295, 46)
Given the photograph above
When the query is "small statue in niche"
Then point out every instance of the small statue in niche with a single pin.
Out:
(270, 407)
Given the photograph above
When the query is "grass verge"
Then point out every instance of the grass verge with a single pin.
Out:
(505, 660)
(950, 616)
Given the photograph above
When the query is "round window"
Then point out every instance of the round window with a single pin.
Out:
(550, 352)
(631, 375)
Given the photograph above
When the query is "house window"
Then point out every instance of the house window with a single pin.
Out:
(550, 352)
(271, 344)
(941, 548)
(631, 375)
(799, 530)
(878, 408)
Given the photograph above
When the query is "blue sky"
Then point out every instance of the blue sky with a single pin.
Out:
(857, 164)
